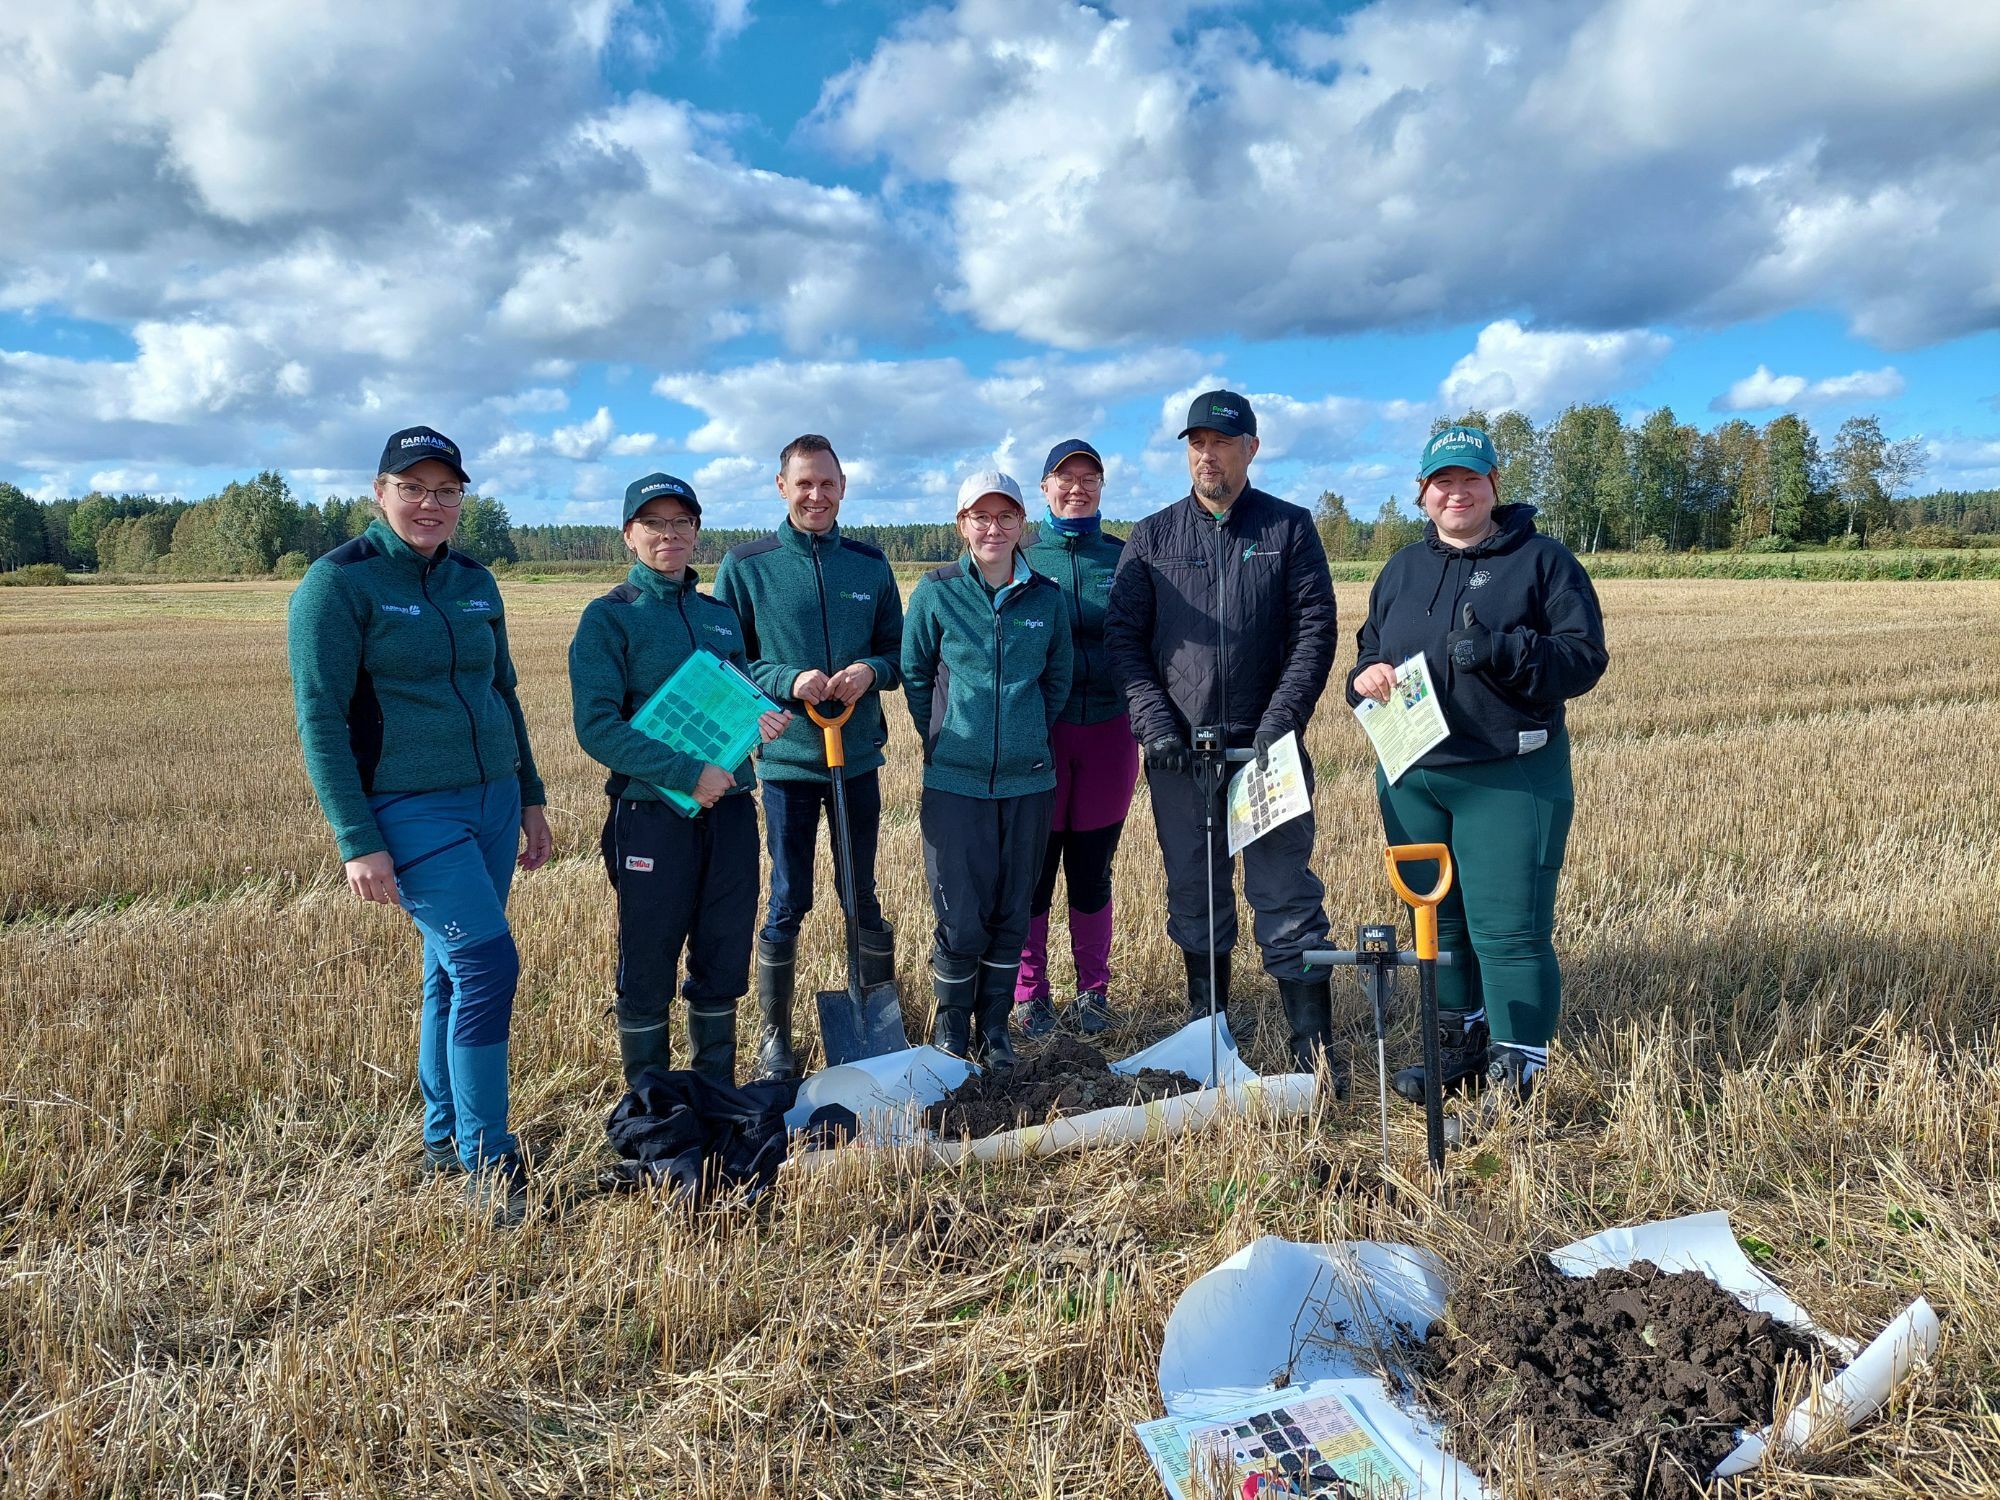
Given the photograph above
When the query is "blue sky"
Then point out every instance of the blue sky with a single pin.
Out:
(590, 240)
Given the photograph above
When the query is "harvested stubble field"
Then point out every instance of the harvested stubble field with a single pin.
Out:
(219, 1276)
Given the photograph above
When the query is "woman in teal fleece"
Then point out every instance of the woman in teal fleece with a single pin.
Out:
(417, 749)
(986, 667)
(686, 883)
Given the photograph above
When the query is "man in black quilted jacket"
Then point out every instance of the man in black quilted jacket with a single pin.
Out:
(1222, 615)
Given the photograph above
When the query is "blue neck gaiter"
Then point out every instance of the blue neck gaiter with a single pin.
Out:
(1075, 525)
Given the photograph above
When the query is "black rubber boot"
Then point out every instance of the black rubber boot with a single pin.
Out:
(878, 956)
(1462, 1051)
(643, 1042)
(1309, 1012)
(993, 1041)
(712, 1036)
(776, 964)
(952, 1030)
(1243, 1027)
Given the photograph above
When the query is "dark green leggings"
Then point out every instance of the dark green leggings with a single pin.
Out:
(1506, 823)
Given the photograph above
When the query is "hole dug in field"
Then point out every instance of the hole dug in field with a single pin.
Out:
(1651, 1372)
(1064, 1077)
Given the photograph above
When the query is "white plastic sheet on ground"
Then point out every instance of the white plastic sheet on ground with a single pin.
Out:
(888, 1096)
(1300, 1312)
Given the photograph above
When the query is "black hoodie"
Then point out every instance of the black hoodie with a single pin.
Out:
(1548, 634)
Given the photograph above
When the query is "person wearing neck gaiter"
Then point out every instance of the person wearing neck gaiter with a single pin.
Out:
(1097, 760)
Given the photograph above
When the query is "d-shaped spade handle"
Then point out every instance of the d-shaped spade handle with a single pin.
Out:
(836, 744)
(1425, 905)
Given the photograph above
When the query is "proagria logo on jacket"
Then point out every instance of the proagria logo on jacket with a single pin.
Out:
(1028, 622)
(857, 597)
(476, 606)
(722, 630)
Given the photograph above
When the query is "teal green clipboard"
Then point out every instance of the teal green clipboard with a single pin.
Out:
(708, 709)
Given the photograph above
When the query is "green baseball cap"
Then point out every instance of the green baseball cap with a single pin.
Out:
(1459, 448)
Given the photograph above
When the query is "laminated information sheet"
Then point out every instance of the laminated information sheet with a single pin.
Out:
(1409, 725)
(1314, 1440)
(1259, 800)
(709, 710)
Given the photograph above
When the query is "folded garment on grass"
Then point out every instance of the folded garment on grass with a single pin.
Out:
(676, 1129)
(885, 1099)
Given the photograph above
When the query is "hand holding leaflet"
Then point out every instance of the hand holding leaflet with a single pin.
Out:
(1409, 725)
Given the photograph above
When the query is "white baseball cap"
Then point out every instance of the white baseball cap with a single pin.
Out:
(988, 482)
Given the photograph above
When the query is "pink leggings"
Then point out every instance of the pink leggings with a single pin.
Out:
(1097, 766)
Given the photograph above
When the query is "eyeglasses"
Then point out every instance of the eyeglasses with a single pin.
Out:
(670, 525)
(1079, 481)
(984, 521)
(450, 496)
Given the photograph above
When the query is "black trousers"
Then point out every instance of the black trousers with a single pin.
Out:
(1287, 900)
(684, 885)
(982, 855)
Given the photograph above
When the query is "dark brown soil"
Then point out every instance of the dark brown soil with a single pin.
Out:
(1655, 1370)
(1065, 1077)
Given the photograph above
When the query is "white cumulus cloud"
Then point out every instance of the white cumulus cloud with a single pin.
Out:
(1538, 371)
(1761, 390)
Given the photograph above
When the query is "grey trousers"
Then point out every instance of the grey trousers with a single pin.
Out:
(1287, 900)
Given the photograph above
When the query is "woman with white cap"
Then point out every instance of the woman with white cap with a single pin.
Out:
(986, 667)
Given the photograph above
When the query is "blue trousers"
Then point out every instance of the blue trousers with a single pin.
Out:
(791, 831)
(454, 852)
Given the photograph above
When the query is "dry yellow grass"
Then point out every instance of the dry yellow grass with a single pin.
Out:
(218, 1275)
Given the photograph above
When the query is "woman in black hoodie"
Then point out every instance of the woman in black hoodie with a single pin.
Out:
(1511, 630)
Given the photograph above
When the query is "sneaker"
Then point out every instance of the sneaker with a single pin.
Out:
(1035, 1018)
(442, 1160)
(1092, 1012)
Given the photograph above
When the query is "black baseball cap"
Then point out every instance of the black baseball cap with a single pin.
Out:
(1070, 449)
(413, 445)
(639, 491)
(1221, 411)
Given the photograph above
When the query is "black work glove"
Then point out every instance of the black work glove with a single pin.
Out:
(1167, 753)
(1471, 646)
(1262, 744)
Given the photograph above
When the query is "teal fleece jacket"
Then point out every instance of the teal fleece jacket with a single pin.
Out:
(816, 601)
(1081, 566)
(986, 674)
(627, 644)
(402, 680)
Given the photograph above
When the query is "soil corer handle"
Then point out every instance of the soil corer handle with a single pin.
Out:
(836, 744)
(1424, 906)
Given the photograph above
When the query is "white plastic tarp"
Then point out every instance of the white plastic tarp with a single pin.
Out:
(1279, 1313)
(888, 1095)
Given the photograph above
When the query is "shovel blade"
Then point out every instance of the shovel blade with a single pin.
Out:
(857, 1024)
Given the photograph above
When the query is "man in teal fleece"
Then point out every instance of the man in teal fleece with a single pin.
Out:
(823, 623)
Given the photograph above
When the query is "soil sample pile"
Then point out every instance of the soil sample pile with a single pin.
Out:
(1655, 1370)
(1065, 1077)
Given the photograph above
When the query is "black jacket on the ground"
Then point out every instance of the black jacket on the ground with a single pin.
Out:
(700, 1137)
(1226, 622)
(1548, 634)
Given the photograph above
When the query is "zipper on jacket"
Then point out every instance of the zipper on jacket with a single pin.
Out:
(451, 640)
(825, 629)
(1221, 625)
(993, 781)
(681, 599)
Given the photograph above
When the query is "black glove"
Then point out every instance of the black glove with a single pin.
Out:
(1167, 753)
(1262, 744)
(1471, 648)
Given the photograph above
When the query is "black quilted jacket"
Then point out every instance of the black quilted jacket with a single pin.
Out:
(1222, 623)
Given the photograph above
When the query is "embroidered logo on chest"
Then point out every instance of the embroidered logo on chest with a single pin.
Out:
(403, 609)
(1479, 580)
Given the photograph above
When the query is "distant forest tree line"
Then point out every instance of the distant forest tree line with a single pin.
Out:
(1599, 485)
